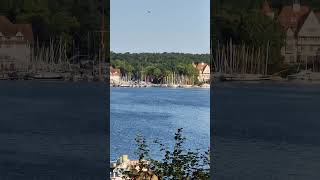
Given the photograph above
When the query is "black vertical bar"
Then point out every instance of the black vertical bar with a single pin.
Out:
(107, 55)
(215, 37)
(211, 85)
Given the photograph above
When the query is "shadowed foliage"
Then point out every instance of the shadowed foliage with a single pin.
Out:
(177, 163)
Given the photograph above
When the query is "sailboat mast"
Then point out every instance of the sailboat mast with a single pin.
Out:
(102, 56)
(266, 70)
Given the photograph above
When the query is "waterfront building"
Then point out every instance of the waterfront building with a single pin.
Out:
(124, 165)
(302, 28)
(204, 71)
(115, 75)
(15, 45)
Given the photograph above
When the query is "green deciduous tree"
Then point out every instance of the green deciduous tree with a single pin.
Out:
(159, 65)
(177, 163)
(72, 19)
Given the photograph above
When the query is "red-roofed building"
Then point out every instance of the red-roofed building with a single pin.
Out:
(290, 16)
(302, 29)
(115, 75)
(15, 45)
(204, 71)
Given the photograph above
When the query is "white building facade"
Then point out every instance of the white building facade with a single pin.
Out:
(115, 75)
(204, 71)
(15, 45)
(302, 28)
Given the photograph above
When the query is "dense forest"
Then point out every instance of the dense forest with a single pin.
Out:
(254, 4)
(252, 29)
(73, 20)
(157, 65)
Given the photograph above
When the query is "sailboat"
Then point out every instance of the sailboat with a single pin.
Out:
(305, 75)
(173, 84)
(241, 63)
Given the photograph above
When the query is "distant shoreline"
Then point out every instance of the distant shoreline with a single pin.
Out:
(298, 82)
(159, 86)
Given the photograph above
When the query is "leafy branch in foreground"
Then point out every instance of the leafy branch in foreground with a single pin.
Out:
(176, 164)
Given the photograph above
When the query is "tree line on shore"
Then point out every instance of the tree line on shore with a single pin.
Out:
(158, 66)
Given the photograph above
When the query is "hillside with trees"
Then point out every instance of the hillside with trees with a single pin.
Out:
(158, 65)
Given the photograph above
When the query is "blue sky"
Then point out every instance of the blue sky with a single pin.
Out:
(172, 26)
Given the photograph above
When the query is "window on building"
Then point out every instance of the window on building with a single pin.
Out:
(289, 47)
(19, 36)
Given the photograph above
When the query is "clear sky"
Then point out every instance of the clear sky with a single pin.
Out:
(170, 26)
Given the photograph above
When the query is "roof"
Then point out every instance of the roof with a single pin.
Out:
(7, 28)
(301, 22)
(309, 25)
(201, 66)
(288, 18)
(266, 8)
(4, 20)
(114, 71)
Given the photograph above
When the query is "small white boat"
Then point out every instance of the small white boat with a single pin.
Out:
(125, 85)
(305, 75)
(205, 86)
(164, 85)
(173, 85)
(186, 86)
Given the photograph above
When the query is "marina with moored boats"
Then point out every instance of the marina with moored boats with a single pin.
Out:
(250, 64)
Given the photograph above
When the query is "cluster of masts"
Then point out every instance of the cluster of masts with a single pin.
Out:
(51, 58)
(178, 79)
(172, 79)
(241, 59)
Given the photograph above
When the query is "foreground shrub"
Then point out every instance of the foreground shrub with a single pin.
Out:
(175, 164)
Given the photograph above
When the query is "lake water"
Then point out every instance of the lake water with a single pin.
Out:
(52, 130)
(260, 130)
(266, 131)
(157, 113)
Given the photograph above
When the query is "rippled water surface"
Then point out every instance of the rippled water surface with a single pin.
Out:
(52, 130)
(157, 113)
(266, 131)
